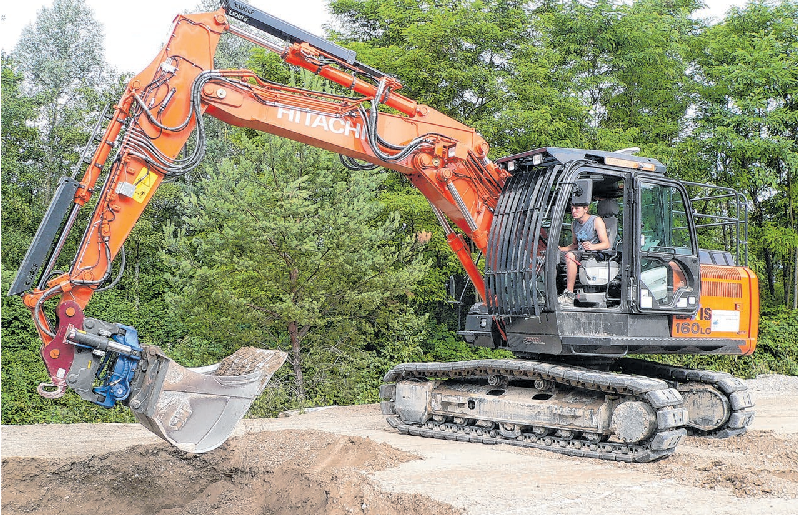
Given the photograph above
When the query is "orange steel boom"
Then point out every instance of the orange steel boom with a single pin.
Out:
(162, 107)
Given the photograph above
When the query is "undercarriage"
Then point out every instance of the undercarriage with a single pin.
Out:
(626, 410)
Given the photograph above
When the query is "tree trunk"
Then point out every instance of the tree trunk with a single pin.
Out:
(788, 283)
(297, 361)
(770, 272)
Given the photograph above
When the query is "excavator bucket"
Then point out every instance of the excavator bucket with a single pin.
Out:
(197, 409)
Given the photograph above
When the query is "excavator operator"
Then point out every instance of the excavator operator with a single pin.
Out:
(588, 234)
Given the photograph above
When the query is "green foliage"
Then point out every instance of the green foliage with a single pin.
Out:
(443, 345)
(629, 64)
(61, 59)
(20, 179)
(452, 55)
(281, 243)
(777, 343)
(418, 221)
(269, 65)
(746, 130)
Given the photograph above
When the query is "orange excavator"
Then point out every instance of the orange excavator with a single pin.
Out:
(572, 388)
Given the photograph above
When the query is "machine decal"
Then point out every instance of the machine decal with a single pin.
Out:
(329, 124)
(725, 320)
(144, 183)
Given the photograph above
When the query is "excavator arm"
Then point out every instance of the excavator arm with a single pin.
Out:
(162, 107)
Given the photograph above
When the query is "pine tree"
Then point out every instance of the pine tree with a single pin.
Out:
(283, 247)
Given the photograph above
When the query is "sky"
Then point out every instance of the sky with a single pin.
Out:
(135, 34)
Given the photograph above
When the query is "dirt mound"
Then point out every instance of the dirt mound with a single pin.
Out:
(270, 473)
(756, 464)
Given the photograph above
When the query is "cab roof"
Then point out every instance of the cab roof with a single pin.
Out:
(559, 155)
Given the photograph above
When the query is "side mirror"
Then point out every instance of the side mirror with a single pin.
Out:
(582, 192)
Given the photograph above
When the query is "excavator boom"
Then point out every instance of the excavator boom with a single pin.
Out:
(162, 107)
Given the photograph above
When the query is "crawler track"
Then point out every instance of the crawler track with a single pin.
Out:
(665, 401)
(732, 388)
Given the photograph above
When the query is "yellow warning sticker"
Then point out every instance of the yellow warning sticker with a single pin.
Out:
(144, 183)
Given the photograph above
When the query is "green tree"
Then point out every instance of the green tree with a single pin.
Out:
(21, 150)
(452, 55)
(628, 64)
(61, 59)
(746, 129)
(282, 247)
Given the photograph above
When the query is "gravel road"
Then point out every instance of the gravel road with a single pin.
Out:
(352, 455)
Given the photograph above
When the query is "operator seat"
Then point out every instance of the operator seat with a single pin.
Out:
(608, 209)
(600, 268)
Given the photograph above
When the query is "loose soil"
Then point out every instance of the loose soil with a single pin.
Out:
(281, 472)
(345, 460)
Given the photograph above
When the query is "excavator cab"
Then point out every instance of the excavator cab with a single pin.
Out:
(662, 252)
(636, 203)
(628, 297)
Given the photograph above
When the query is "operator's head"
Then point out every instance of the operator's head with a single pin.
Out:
(579, 210)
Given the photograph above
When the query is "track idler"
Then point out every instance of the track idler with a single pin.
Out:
(718, 404)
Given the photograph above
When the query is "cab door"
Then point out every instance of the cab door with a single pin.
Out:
(666, 261)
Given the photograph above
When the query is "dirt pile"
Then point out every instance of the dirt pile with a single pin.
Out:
(756, 464)
(271, 473)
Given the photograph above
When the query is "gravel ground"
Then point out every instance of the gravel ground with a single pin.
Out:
(772, 384)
